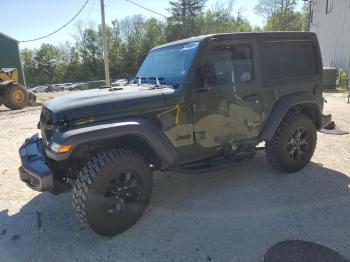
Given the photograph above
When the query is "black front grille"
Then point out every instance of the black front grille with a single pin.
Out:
(46, 125)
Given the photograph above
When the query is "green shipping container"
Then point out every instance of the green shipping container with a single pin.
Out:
(9, 56)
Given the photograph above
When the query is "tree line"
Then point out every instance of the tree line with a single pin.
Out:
(130, 39)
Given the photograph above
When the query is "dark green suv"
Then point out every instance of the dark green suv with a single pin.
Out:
(195, 105)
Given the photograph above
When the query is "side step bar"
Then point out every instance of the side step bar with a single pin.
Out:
(214, 164)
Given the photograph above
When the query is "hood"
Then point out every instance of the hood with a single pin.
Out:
(96, 102)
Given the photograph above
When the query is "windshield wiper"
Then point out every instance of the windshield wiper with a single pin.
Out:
(158, 84)
(140, 79)
(157, 80)
(139, 82)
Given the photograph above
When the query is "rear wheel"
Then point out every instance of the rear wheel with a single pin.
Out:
(112, 191)
(15, 97)
(293, 144)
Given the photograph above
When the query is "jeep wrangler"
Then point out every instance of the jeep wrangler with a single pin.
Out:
(195, 105)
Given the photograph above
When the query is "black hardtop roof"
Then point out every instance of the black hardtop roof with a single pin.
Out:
(238, 36)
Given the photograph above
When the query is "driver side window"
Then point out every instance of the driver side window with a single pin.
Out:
(229, 64)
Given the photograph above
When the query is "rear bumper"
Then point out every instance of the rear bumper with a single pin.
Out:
(34, 170)
(325, 120)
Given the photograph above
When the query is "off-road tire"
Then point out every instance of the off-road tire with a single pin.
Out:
(15, 97)
(89, 201)
(276, 150)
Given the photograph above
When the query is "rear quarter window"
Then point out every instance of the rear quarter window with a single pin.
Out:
(289, 59)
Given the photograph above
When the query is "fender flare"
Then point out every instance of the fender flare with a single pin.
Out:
(142, 128)
(281, 108)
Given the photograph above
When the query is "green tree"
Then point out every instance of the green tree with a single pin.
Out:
(90, 49)
(221, 19)
(154, 35)
(294, 23)
(185, 18)
(73, 70)
(132, 33)
(47, 59)
(131, 40)
(115, 51)
(280, 15)
(29, 65)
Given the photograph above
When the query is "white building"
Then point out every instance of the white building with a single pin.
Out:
(330, 19)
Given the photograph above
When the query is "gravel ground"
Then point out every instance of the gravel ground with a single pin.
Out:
(232, 215)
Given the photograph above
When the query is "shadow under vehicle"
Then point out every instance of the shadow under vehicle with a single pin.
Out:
(234, 214)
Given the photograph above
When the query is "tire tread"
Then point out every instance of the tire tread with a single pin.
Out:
(7, 101)
(273, 146)
(87, 175)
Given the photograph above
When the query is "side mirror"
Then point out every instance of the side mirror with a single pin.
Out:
(207, 72)
(207, 77)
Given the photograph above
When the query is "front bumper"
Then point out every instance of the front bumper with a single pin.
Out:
(325, 120)
(34, 170)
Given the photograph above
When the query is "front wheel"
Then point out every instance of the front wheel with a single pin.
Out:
(16, 97)
(112, 191)
(293, 144)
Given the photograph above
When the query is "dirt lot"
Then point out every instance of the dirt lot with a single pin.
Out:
(232, 215)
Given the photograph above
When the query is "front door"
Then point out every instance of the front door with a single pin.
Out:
(226, 107)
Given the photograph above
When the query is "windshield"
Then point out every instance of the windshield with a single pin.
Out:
(170, 64)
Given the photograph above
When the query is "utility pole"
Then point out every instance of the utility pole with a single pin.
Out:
(104, 40)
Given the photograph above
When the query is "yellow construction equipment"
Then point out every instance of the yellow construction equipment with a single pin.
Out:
(12, 94)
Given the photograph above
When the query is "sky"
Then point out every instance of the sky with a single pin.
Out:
(28, 19)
